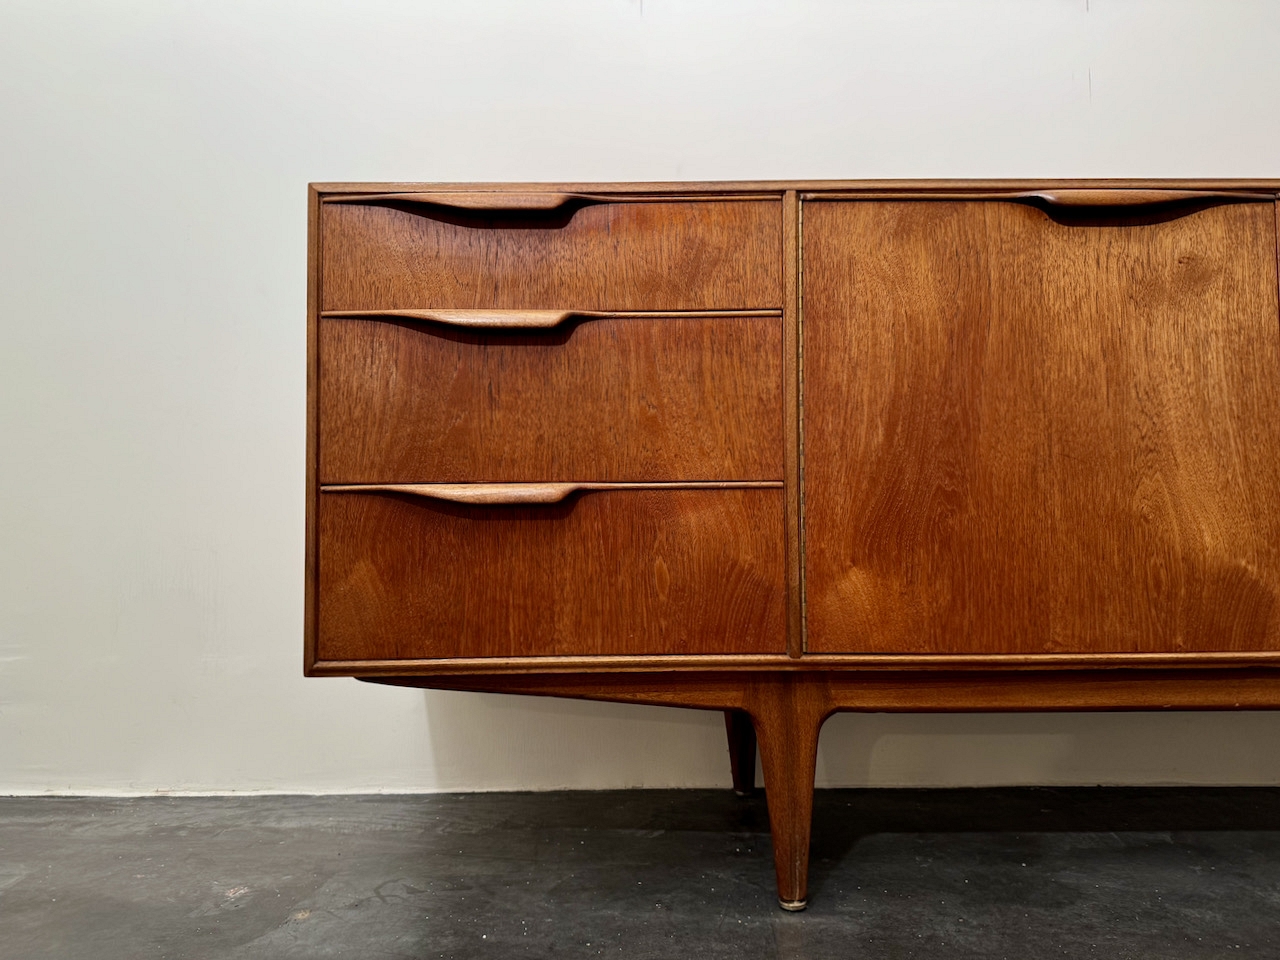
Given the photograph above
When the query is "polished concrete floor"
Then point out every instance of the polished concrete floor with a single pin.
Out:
(1025, 874)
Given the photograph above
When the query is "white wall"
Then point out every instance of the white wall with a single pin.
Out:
(152, 248)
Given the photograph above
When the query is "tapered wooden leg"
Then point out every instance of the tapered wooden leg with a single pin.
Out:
(742, 751)
(787, 718)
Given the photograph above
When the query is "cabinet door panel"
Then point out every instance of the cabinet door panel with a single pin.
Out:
(608, 572)
(608, 400)
(1026, 436)
(686, 255)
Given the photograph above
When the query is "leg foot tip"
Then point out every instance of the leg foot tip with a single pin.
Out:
(742, 793)
(793, 906)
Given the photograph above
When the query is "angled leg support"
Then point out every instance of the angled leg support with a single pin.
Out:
(742, 751)
(788, 716)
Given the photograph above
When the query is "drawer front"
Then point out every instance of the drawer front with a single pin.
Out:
(605, 572)
(700, 254)
(628, 399)
(1024, 435)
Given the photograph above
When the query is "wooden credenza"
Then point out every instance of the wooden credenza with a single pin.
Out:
(783, 449)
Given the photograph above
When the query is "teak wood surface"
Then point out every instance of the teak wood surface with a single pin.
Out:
(786, 448)
(603, 399)
(1024, 436)
(605, 572)
(720, 255)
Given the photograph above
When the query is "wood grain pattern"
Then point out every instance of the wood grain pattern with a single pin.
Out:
(631, 399)
(612, 256)
(1022, 436)
(630, 572)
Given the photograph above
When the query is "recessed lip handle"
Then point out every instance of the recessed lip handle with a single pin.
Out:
(1111, 197)
(500, 319)
(534, 202)
(519, 319)
(1122, 199)
(478, 201)
(531, 493)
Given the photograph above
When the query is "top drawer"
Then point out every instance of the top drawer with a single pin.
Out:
(615, 255)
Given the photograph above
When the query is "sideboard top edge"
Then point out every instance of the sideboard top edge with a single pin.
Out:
(779, 187)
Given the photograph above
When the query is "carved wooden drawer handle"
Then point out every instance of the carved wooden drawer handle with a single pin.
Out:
(517, 493)
(480, 201)
(1136, 198)
(531, 201)
(533, 319)
(1072, 200)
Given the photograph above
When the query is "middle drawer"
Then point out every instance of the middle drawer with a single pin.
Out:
(610, 398)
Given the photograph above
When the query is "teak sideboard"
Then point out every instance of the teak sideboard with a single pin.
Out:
(783, 449)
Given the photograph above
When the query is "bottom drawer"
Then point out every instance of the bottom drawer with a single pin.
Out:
(608, 572)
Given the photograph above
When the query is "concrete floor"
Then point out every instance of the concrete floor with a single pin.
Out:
(1025, 874)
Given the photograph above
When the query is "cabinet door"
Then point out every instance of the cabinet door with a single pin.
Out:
(1023, 435)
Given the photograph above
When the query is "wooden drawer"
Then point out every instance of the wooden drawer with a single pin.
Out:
(1024, 435)
(657, 255)
(605, 572)
(629, 398)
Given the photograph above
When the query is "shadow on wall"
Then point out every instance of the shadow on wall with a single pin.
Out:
(1048, 748)
(542, 743)
(510, 742)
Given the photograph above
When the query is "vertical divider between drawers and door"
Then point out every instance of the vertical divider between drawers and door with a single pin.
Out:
(793, 424)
